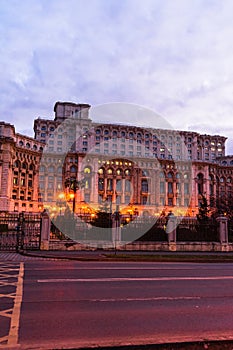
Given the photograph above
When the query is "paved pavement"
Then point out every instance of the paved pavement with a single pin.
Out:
(16, 257)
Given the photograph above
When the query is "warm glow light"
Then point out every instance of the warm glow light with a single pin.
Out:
(71, 195)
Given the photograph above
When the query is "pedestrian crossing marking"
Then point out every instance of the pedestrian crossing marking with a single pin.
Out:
(12, 313)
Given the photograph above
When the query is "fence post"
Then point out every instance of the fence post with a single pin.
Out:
(20, 232)
(171, 231)
(45, 231)
(223, 231)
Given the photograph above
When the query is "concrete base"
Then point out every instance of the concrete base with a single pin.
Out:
(140, 246)
(44, 245)
(172, 247)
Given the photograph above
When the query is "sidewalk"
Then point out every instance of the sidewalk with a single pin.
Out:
(150, 256)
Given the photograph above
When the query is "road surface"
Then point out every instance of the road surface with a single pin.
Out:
(56, 304)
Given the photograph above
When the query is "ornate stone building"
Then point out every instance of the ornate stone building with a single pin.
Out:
(138, 170)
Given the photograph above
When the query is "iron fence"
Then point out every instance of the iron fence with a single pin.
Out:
(19, 231)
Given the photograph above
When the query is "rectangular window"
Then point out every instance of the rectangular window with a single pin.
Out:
(170, 187)
(162, 201)
(170, 202)
(119, 185)
(186, 188)
(109, 184)
(162, 187)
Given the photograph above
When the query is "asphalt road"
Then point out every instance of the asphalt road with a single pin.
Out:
(70, 303)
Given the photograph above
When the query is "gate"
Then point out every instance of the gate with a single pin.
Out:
(19, 231)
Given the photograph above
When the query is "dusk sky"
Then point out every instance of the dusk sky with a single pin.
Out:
(172, 56)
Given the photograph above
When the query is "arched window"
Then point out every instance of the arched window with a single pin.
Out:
(127, 172)
(101, 171)
(170, 175)
(17, 164)
(123, 134)
(24, 166)
(131, 135)
(110, 171)
(119, 172)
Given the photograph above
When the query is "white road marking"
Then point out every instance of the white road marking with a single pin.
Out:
(14, 327)
(139, 279)
(116, 268)
(143, 299)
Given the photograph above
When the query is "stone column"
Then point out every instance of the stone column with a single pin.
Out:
(223, 230)
(116, 228)
(45, 231)
(171, 231)
(174, 193)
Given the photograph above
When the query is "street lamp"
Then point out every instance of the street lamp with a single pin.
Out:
(61, 201)
(74, 185)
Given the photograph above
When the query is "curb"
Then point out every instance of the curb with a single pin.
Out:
(135, 258)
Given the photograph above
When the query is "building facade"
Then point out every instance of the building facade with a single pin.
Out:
(76, 162)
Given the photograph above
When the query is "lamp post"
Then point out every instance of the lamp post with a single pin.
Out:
(61, 201)
(74, 185)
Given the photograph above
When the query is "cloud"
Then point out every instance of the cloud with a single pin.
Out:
(174, 57)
